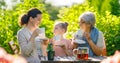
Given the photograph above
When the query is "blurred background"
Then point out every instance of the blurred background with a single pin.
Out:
(107, 14)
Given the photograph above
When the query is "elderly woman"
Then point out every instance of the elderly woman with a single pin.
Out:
(92, 37)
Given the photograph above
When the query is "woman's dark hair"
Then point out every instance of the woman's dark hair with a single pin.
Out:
(63, 25)
(31, 13)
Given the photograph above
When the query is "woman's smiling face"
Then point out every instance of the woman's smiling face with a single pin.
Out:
(83, 25)
(37, 20)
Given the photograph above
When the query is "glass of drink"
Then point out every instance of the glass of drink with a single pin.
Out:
(42, 33)
(81, 53)
(57, 39)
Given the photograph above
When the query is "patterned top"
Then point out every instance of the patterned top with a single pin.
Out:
(28, 49)
(100, 42)
(60, 51)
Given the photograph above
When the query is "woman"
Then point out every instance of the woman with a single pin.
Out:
(28, 35)
(93, 38)
(62, 46)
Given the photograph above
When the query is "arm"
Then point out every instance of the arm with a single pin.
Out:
(26, 46)
(73, 43)
(65, 50)
(101, 43)
(97, 48)
(68, 49)
(45, 42)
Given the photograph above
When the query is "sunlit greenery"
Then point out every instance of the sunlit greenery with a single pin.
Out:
(9, 21)
(106, 22)
(107, 14)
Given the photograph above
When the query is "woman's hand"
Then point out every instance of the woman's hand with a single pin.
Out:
(87, 36)
(65, 49)
(46, 41)
(63, 46)
(36, 32)
(51, 40)
(75, 45)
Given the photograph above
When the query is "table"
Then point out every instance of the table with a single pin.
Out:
(72, 59)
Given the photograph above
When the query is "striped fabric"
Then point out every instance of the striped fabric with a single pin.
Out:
(28, 49)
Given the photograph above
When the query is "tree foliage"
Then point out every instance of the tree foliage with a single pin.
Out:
(106, 22)
(2, 4)
(9, 21)
(101, 6)
(106, 12)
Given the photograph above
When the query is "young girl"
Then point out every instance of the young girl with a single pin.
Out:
(61, 45)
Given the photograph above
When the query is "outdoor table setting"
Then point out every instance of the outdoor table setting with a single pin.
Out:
(72, 59)
(80, 55)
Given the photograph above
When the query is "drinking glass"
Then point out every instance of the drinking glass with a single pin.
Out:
(81, 53)
(42, 33)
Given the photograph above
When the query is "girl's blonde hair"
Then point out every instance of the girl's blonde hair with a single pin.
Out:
(62, 25)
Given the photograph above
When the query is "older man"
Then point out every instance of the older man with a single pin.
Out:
(93, 38)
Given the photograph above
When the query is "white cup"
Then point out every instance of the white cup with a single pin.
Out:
(57, 38)
(42, 33)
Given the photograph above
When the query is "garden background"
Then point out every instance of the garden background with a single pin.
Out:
(107, 14)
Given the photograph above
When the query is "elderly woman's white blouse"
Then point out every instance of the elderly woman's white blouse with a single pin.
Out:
(100, 43)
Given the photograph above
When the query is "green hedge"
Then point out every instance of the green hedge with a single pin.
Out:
(9, 22)
(107, 23)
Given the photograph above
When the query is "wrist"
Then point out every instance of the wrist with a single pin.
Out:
(65, 50)
(67, 53)
(88, 39)
(32, 38)
(33, 35)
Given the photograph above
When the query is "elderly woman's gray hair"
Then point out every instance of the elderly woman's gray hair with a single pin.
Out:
(88, 17)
